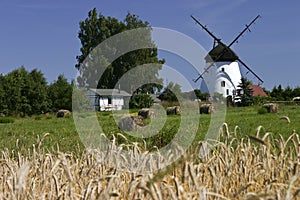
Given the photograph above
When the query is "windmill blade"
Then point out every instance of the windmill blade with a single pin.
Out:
(205, 71)
(245, 29)
(200, 76)
(250, 70)
(204, 27)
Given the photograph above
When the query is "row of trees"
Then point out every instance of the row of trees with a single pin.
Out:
(279, 93)
(25, 92)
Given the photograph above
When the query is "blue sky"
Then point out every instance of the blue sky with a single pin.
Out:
(42, 34)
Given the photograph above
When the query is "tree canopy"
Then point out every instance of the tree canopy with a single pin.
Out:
(25, 92)
(94, 61)
(60, 94)
(172, 93)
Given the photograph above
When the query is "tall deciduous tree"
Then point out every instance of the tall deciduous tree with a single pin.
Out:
(60, 94)
(93, 61)
(16, 90)
(37, 94)
(25, 93)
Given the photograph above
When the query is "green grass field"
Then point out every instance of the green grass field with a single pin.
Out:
(25, 132)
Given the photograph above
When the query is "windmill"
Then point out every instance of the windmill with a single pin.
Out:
(223, 62)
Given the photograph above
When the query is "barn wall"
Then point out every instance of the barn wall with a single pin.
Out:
(103, 101)
(118, 102)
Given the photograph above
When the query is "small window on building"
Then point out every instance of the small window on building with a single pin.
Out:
(227, 92)
(109, 100)
(222, 83)
(223, 70)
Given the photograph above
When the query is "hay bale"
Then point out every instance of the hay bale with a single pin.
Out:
(131, 123)
(271, 107)
(174, 110)
(63, 113)
(206, 109)
(147, 113)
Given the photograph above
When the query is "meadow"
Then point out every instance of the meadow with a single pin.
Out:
(25, 132)
(257, 157)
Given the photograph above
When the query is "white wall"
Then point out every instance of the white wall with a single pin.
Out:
(116, 103)
(228, 72)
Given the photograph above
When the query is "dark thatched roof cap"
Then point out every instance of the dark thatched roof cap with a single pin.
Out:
(228, 54)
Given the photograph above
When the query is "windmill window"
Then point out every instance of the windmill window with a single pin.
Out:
(223, 70)
(222, 83)
(227, 92)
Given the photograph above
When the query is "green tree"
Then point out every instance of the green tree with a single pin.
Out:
(246, 92)
(16, 87)
(201, 95)
(296, 92)
(196, 94)
(60, 94)
(287, 94)
(25, 92)
(37, 92)
(277, 93)
(94, 61)
(172, 93)
(141, 101)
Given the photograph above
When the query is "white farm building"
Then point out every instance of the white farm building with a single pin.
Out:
(108, 99)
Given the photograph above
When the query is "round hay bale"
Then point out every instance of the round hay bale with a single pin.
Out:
(206, 109)
(147, 113)
(131, 123)
(271, 107)
(296, 100)
(174, 110)
(63, 113)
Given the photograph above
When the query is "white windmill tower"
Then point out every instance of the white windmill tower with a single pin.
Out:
(222, 74)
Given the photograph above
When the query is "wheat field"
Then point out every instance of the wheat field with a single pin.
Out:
(256, 167)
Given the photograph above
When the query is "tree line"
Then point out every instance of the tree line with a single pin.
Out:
(279, 93)
(25, 92)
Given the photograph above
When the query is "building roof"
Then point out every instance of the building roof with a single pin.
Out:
(257, 91)
(220, 54)
(110, 92)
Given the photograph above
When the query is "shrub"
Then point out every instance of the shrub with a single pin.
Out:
(141, 101)
(262, 111)
(6, 120)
